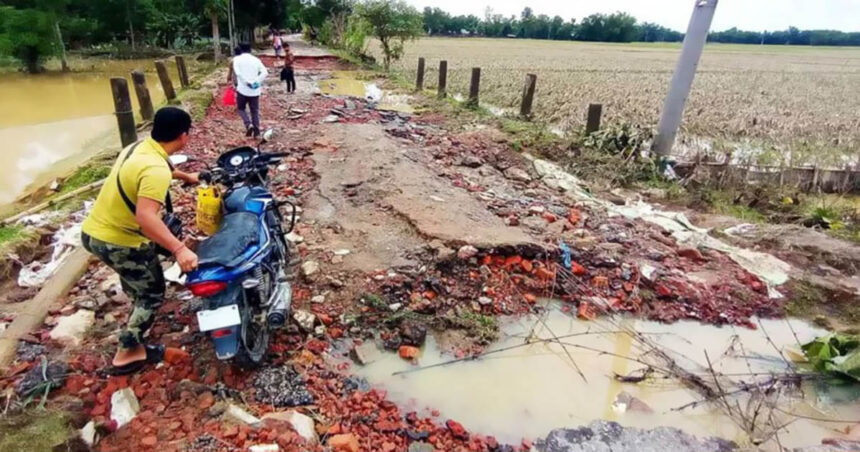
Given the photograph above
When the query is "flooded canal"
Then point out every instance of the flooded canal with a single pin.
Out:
(526, 392)
(51, 123)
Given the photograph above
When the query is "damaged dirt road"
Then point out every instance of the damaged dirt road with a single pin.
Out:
(423, 236)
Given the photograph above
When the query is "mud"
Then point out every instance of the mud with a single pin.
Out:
(389, 203)
(524, 391)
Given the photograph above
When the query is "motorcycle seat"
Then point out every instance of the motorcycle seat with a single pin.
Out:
(238, 231)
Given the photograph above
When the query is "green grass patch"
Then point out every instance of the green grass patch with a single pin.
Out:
(741, 212)
(10, 234)
(35, 430)
(92, 172)
(197, 101)
(527, 134)
(484, 328)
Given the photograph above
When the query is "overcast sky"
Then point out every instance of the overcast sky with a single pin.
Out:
(745, 14)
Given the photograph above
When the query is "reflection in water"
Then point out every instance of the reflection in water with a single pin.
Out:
(526, 392)
(52, 122)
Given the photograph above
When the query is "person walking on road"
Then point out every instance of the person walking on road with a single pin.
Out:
(249, 73)
(125, 225)
(277, 42)
(287, 73)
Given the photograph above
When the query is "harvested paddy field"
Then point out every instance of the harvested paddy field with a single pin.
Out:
(801, 101)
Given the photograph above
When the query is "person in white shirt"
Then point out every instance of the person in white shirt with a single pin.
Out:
(249, 73)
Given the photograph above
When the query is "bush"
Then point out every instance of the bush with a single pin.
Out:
(394, 22)
(26, 34)
(355, 37)
(615, 156)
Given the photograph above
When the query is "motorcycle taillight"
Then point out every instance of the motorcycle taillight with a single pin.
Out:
(217, 334)
(207, 289)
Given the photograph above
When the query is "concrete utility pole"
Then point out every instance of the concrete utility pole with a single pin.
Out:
(682, 80)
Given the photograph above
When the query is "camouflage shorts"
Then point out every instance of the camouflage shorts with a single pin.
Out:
(142, 279)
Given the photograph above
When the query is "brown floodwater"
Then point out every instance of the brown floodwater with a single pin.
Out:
(51, 123)
(526, 392)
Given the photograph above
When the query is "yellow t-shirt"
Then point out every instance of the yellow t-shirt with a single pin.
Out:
(145, 174)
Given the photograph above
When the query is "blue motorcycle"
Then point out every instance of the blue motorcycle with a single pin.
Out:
(242, 268)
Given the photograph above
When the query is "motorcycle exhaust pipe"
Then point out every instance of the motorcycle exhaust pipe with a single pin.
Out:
(277, 316)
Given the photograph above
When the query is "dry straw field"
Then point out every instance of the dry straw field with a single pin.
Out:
(799, 102)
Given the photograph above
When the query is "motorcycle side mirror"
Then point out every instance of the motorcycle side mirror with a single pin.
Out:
(178, 159)
(268, 134)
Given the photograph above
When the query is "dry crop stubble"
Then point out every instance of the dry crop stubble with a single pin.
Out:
(803, 99)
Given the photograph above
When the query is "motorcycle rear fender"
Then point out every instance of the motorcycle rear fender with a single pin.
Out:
(226, 346)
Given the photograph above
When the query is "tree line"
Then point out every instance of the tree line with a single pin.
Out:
(30, 30)
(792, 36)
(616, 27)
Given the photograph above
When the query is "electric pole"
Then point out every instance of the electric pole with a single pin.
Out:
(685, 72)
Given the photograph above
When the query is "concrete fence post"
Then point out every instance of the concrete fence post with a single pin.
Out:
(419, 82)
(528, 95)
(592, 124)
(143, 98)
(443, 79)
(166, 84)
(124, 113)
(474, 87)
(182, 70)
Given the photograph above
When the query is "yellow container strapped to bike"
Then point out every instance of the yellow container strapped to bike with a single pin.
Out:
(208, 209)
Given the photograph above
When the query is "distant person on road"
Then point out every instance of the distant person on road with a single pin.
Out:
(287, 73)
(125, 225)
(249, 73)
(277, 42)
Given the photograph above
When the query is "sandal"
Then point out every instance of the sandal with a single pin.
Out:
(154, 355)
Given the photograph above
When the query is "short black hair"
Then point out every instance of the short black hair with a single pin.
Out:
(245, 47)
(169, 124)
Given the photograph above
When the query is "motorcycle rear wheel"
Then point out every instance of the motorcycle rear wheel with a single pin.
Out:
(253, 344)
(254, 333)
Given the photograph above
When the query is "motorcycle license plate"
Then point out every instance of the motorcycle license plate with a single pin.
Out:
(216, 319)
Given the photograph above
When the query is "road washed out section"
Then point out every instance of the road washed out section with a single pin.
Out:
(531, 389)
(768, 268)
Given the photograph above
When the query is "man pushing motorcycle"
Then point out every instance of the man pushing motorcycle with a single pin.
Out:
(126, 230)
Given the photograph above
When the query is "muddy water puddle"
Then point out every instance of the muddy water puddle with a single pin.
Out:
(347, 83)
(51, 123)
(525, 392)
